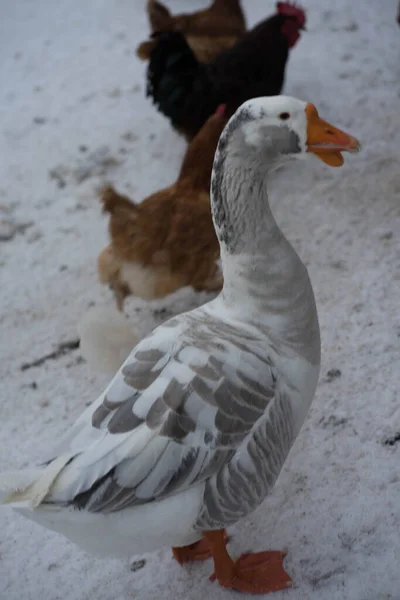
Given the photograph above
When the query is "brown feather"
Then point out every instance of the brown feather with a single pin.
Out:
(168, 240)
(208, 32)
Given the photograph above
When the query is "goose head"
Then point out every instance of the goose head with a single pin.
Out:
(262, 135)
(281, 127)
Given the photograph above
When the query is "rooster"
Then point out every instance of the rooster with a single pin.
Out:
(188, 91)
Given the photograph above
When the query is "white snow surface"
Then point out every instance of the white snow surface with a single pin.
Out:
(72, 103)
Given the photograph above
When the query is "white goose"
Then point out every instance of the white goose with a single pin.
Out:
(192, 432)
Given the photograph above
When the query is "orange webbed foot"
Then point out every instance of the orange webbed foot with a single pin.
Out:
(198, 551)
(258, 573)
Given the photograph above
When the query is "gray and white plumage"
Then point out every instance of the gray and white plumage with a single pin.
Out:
(192, 432)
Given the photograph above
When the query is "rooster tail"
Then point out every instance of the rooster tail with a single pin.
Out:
(171, 73)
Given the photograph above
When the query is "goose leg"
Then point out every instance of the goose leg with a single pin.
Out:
(198, 551)
(258, 573)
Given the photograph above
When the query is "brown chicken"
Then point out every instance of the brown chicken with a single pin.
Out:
(207, 31)
(167, 241)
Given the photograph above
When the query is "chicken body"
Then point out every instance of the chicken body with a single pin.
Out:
(167, 241)
(188, 91)
(207, 31)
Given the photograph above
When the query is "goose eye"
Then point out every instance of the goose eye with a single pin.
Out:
(284, 116)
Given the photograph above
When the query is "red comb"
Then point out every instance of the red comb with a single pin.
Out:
(291, 9)
(220, 112)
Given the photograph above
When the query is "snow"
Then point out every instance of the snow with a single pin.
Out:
(74, 114)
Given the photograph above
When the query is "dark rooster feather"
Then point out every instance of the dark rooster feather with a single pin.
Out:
(188, 92)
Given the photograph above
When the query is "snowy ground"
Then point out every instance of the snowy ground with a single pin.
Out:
(73, 114)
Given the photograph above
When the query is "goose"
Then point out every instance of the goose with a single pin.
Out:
(192, 432)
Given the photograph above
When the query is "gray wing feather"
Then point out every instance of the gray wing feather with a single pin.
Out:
(238, 488)
(200, 402)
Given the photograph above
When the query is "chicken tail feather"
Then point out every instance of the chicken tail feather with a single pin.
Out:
(115, 203)
(172, 72)
(159, 16)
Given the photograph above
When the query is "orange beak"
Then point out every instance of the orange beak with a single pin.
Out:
(326, 141)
